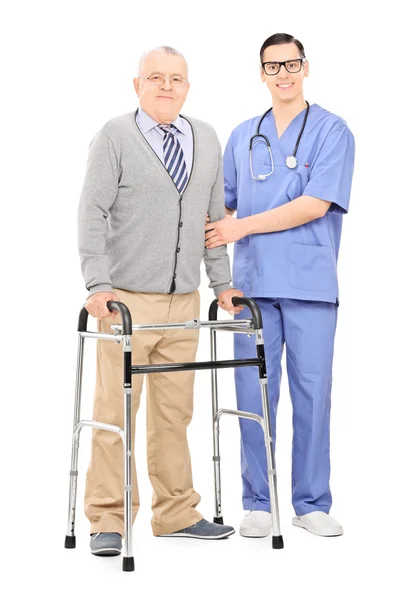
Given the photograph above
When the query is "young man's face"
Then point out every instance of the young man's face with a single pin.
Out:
(283, 85)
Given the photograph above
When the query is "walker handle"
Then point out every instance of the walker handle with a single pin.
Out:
(239, 301)
(119, 307)
(82, 321)
(125, 314)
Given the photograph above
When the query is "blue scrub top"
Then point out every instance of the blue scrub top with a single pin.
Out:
(299, 262)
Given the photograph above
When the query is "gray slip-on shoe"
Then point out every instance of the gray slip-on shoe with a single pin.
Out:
(203, 530)
(106, 544)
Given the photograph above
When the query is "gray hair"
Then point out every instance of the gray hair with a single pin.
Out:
(166, 49)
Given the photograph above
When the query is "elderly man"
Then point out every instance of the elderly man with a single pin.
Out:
(152, 176)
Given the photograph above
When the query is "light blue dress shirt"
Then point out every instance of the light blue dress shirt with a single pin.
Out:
(148, 127)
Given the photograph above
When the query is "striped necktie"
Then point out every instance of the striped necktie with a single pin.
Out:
(174, 161)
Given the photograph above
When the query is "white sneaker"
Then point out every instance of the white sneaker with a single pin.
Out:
(257, 523)
(319, 523)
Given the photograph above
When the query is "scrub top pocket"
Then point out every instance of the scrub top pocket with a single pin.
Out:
(298, 182)
(311, 267)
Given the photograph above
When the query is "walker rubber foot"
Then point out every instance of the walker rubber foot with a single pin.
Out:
(277, 542)
(70, 541)
(128, 563)
(219, 520)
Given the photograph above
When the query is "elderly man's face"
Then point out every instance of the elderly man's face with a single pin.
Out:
(162, 98)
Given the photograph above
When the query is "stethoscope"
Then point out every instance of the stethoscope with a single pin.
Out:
(291, 161)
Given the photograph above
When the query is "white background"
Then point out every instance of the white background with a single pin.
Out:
(67, 69)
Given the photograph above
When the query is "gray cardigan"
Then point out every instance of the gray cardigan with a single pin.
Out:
(135, 231)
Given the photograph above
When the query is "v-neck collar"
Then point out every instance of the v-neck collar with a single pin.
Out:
(158, 159)
(279, 139)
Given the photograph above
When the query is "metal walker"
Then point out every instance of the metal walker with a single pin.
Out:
(123, 333)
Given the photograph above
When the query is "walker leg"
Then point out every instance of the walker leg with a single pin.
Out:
(216, 457)
(70, 541)
(128, 563)
(277, 539)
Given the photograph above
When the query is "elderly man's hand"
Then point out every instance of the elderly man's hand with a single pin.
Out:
(225, 301)
(97, 305)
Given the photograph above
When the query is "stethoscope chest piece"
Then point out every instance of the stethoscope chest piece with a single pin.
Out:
(291, 162)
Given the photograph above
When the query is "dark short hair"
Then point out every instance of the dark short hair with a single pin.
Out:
(281, 38)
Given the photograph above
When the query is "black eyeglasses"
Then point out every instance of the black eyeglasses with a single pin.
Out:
(291, 66)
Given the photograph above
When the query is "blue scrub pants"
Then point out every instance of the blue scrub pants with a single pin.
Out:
(308, 329)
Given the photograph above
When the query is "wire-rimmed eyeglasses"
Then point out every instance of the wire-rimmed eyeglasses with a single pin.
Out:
(159, 79)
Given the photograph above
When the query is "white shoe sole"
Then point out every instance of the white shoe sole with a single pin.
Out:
(199, 537)
(107, 552)
(255, 533)
(299, 523)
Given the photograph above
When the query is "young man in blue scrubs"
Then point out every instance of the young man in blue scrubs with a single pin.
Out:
(290, 193)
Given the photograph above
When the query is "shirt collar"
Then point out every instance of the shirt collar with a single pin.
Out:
(147, 123)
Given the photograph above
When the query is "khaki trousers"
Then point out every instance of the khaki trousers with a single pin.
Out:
(169, 412)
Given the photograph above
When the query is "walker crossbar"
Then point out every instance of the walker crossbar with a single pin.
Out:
(123, 334)
(196, 366)
(240, 324)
